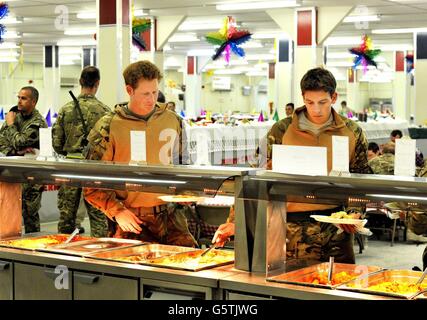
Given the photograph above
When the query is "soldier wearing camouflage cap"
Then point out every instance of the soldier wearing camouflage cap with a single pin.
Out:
(19, 135)
(140, 215)
(69, 138)
(313, 124)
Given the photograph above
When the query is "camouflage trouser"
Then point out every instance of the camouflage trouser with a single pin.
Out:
(318, 241)
(165, 226)
(31, 203)
(68, 204)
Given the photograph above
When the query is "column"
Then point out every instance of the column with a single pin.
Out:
(353, 95)
(399, 85)
(284, 70)
(51, 79)
(89, 57)
(113, 54)
(421, 78)
(193, 82)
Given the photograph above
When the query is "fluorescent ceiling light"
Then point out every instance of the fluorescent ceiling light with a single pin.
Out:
(396, 31)
(227, 71)
(141, 12)
(79, 32)
(72, 50)
(256, 74)
(201, 52)
(265, 35)
(12, 20)
(8, 45)
(70, 57)
(8, 54)
(362, 67)
(166, 47)
(123, 179)
(8, 59)
(86, 15)
(256, 5)
(186, 26)
(340, 55)
(12, 35)
(251, 45)
(395, 196)
(67, 62)
(396, 47)
(239, 62)
(76, 42)
(260, 57)
(362, 18)
(183, 38)
(339, 64)
(339, 41)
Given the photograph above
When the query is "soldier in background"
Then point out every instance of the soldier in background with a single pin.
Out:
(19, 135)
(69, 138)
(384, 164)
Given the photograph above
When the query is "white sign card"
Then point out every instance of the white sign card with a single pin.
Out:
(404, 159)
(340, 154)
(45, 139)
(138, 147)
(300, 160)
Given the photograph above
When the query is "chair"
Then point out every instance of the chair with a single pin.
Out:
(379, 216)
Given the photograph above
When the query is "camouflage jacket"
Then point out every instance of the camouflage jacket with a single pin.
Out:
(24, 133)
(109, 140)
(383, 164)
(341, 126)
(68, 135)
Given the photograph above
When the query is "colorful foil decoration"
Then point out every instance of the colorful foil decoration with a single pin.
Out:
(365, 55)
(228, 38)
(140, 26)
(4, 10)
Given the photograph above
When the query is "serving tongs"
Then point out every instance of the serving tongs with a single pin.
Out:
(213, 246)
(330, 269)
(420, 280)
(71, 237)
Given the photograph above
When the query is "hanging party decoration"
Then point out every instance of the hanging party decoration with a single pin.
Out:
(4, 10)
(409, 62)
(229, 39)
(365, 55)
(139, 27)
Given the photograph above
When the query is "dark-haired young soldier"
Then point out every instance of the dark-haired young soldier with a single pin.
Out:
(69, 137)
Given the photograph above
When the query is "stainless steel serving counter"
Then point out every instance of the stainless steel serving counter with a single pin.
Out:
(33, 273)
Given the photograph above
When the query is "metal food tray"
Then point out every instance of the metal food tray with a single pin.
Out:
(8, 242)
(84, 248)
(148, 251)
(305, 275)
(362, 284)
(194, 255)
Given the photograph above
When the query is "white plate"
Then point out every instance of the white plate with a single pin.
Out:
(328, 219)
(180, 198)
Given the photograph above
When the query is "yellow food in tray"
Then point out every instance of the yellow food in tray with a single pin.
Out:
(341, 215)
(398, 287)
(194, 260)
(41, 242)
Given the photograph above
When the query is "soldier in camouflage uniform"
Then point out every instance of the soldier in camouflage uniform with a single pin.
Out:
(384, 164)
(314, 125)
(133, 214)
(69, 139)
(19, 135)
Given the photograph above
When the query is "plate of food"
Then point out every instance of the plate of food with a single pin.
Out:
(340, 217)
(180, 198)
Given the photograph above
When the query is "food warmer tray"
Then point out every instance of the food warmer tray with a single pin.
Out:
(138, 254)
(408, 276)
(306, 276)
(38, 241)
(84, 248)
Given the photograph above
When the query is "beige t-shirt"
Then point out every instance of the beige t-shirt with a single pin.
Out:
(307, 125)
